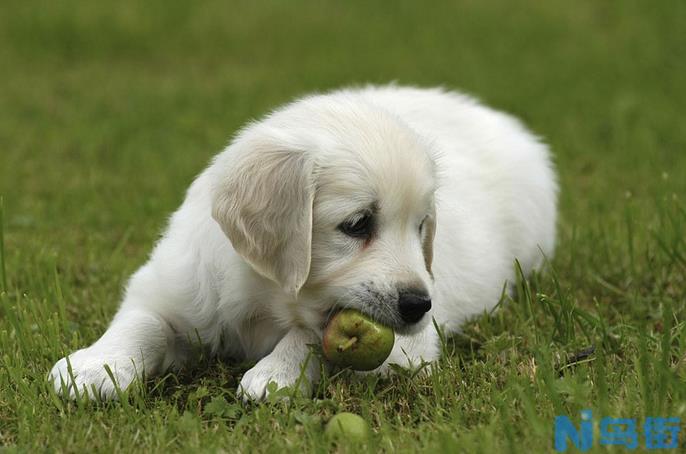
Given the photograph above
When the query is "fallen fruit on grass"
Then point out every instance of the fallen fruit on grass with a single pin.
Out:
(348, 426)
(351, 339)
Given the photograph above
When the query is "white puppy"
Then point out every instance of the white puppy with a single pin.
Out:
(403, 203)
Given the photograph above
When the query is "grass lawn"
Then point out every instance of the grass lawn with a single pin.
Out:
(108, 110)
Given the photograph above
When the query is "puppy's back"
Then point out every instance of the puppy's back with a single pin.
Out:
(510, 162)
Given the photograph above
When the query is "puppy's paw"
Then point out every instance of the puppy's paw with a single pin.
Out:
(254, 385)
(85, 374)
(413, 352)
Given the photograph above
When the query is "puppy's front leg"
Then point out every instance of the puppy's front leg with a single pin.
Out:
(412, 350)
(284, 365)
(135, 343)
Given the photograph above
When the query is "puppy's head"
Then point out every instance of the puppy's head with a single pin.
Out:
(335, 203)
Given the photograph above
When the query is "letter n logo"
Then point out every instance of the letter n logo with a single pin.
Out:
(565, 430)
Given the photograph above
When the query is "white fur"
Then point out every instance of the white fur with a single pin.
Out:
(483, 185)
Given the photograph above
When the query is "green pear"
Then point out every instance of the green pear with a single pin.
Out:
(352, 339)
(347, 426)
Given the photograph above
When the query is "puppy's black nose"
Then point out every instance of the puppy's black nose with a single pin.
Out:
(413, 304)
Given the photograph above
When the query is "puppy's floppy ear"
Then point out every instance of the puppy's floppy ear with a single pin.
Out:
(428, 238)
(262, 199)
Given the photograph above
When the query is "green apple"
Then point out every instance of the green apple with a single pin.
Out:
(351, 339)
(347, 426)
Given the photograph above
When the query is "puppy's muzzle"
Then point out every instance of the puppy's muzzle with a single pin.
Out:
(413, 303)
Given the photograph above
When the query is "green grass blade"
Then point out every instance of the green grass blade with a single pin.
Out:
(3, 275)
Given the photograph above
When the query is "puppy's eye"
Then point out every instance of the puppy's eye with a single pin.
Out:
(360, 226)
